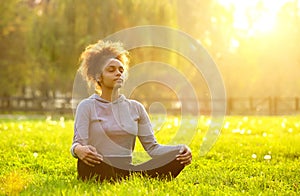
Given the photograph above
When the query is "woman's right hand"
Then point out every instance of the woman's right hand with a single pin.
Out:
(88, 154)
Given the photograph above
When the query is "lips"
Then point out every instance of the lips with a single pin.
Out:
(118, 80)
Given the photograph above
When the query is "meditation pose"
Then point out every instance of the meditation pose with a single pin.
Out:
(107, 124)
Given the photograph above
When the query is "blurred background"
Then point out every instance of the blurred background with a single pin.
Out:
(255, 45)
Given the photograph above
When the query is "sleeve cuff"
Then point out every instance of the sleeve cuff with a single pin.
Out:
(72, 150)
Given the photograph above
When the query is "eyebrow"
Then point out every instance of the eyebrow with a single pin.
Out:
(115, 67)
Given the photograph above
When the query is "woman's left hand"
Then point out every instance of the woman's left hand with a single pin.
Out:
(185, 155)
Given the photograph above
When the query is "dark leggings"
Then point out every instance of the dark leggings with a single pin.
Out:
(105, 171)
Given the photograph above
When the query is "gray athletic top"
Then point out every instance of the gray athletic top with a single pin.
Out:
(112, 127)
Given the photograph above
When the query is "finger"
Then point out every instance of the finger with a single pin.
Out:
(94, 158)
(186, 154)
(184, 157)
(181, 149)
(100, 157)
(94, 161)
(91, 153)
(92, 148)
(88, 163)
(186, 162)
(184, 150)
(91, 162)
(95, 154)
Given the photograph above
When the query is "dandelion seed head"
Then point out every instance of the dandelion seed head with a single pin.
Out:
(62, 122)
(226, 125)
(208, 122)
(267, 157)
(264, 134)
(254, 156)
(176, 122)
(242, 131)
(20, 126)
(62, 125)
(35, 154)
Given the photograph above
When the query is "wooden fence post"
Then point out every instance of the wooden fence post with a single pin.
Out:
(275, 105)
(229, 105)
(270, 106)
(251, 105)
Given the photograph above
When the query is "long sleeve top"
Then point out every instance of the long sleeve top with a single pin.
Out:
(112, 128)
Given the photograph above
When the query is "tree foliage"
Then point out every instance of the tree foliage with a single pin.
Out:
(59, 31)
(14, 70)
(41, 41)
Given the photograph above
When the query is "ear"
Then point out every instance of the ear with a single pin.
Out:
(99, 79)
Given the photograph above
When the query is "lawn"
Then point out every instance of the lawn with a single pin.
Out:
(254, 155)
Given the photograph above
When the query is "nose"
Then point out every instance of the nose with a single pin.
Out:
(118, 73)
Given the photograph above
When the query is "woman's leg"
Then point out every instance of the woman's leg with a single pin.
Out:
(168, 171)
(100, 172)
(164, 166)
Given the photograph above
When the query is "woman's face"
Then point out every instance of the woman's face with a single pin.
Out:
(112, 75)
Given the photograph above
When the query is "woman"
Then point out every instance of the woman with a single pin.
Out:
(107, 124)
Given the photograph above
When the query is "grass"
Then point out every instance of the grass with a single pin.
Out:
(253, 156)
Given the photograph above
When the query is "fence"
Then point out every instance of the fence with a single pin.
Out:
(39, 105)
(234, 106)
(264, 106)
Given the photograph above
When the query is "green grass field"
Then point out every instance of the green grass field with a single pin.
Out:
(253, 156)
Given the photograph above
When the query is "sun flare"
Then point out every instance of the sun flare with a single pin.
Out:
(255, 16)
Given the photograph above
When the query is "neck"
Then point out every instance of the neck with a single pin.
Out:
(110, 94)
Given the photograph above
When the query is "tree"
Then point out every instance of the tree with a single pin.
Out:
(14, 71)
(61, 30)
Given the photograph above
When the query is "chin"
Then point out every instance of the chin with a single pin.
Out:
(118, 86)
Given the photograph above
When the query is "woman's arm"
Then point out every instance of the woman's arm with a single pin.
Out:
(150, 144)
(80, 148)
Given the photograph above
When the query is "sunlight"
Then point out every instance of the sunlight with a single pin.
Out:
(255, 16)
